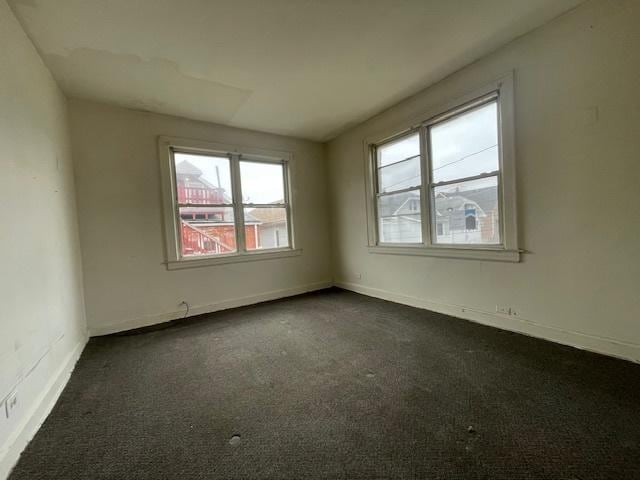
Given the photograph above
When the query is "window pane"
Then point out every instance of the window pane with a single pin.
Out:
(398, 150)
(202, 179)
(399, 219)
(467, 212)
(400, 175)
(262, 182)
(207, 230)
(465, 145)
(266, 228)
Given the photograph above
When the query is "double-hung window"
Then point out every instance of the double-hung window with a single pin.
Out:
(399, 181)
(223, 203)
(446, 185)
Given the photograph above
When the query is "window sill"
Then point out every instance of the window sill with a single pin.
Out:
(231, 258)
(494, 255)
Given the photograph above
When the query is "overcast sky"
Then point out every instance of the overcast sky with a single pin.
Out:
(465, 145)
(461, 147)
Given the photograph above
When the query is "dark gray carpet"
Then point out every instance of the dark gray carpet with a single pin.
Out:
(338, 385)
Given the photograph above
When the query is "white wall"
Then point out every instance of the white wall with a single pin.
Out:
(42, 326)
(119, 207)
(578, 190)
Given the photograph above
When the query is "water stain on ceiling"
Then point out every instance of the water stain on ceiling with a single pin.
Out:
(155, 85)
(304, 68)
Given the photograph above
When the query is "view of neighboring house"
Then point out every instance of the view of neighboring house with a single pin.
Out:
(210, 230)
(400, 220)
(271, 227)
(470, 216)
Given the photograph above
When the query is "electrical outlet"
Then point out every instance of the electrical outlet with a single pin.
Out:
(11, 403)
(503, 310)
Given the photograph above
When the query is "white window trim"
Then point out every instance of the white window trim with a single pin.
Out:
(508, 251)
(173, 258)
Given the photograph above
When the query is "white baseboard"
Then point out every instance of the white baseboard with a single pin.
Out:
(212, 307)
(607, 346)
(39, 412)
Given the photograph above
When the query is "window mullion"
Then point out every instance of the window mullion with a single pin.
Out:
(395, 192)
(205, 205)
(264, 205)
(425, 190)
(373, 164)
(480, 176)
(238, 210)
(287, 200)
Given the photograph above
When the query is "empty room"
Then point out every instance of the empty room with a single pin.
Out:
(305, 239)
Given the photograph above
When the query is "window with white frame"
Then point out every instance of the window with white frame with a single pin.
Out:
(464, 176)
(221, 204)
(399, 188)
(446, 186)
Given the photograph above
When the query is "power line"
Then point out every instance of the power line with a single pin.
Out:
(441, 166)
(402, 181)
(465, 157)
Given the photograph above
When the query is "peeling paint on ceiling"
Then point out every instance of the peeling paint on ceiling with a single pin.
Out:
(303, 68)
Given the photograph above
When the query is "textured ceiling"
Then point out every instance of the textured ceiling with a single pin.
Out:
(306, 68)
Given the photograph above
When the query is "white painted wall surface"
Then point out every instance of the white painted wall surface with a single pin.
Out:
(120, 214)
(42, 324)
(578, 138)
